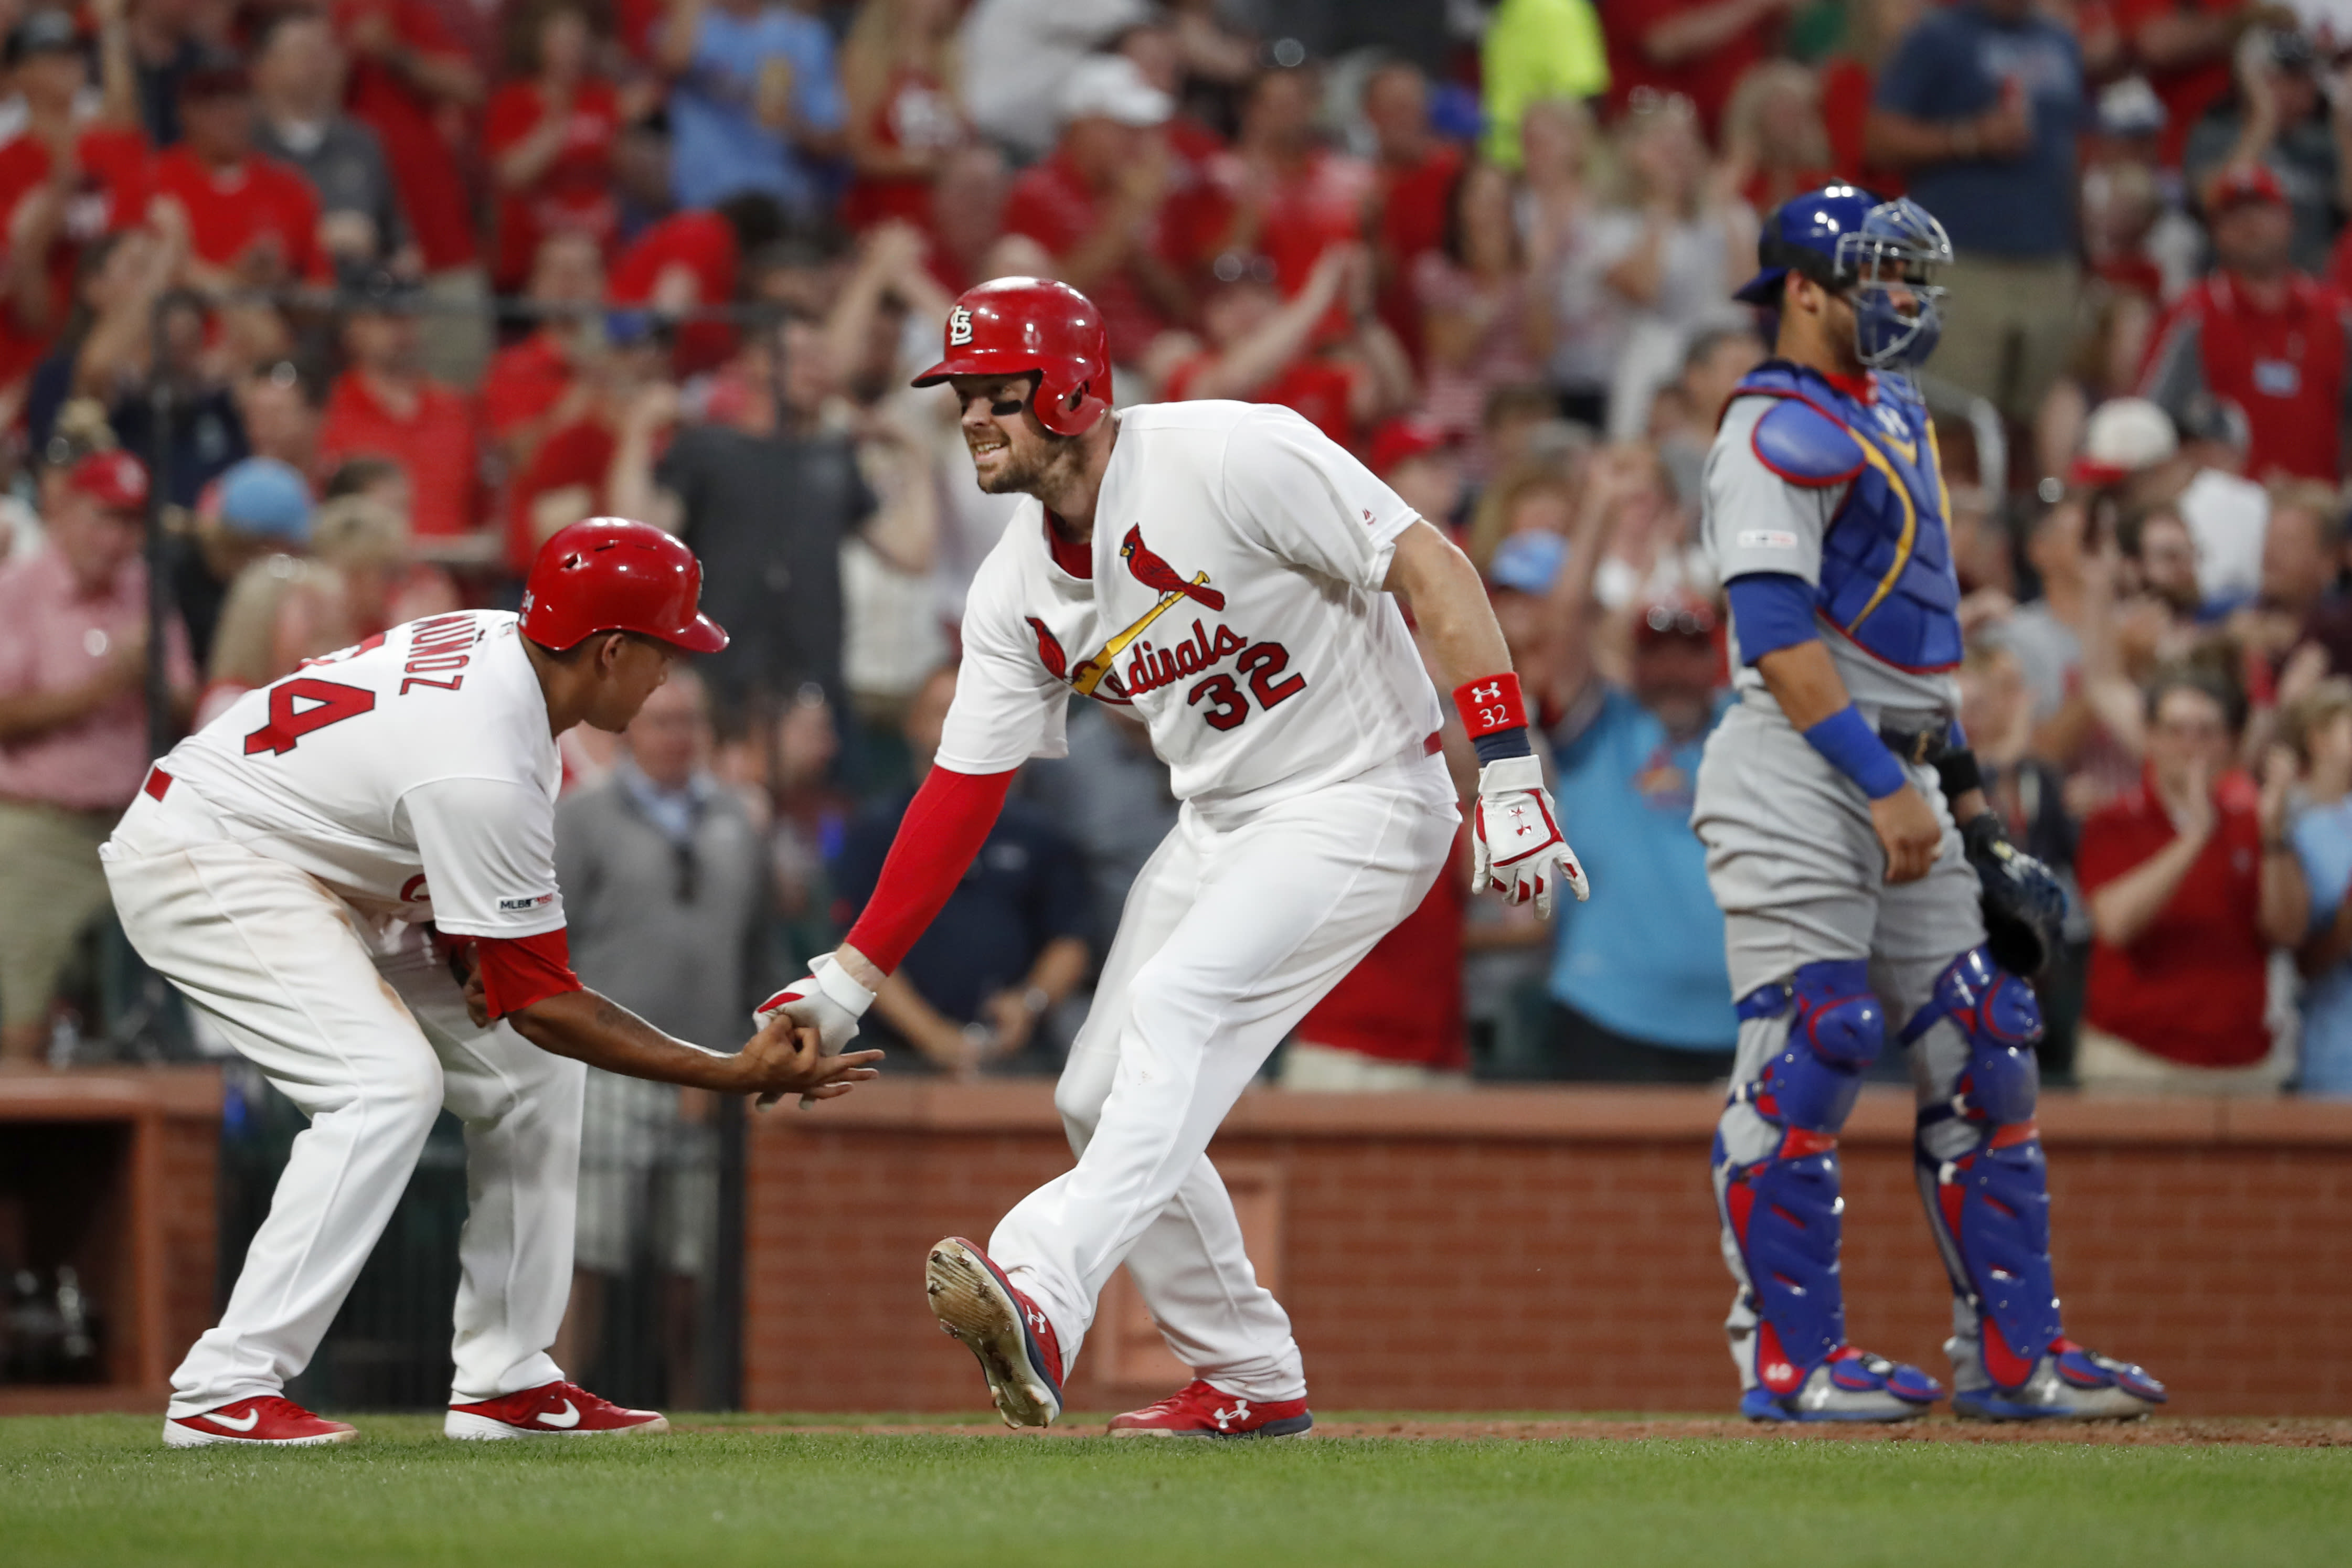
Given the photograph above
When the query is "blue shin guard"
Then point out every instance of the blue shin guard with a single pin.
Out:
(1781, 1213)
(1982, 1177)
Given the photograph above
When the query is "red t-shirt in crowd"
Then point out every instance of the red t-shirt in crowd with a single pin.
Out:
(109, 193)
(915, 113)
(575, 193)
(2186, 91)
(419, 147)
(577, 454)
(1707, 80)
(2286, 368)
(2191, 989)
(434, 444)
(524, 381)
(704, 244)
(1413, 204)
(1846, 90)
(1403, 1001)
(1316, 389)
(1051, 204)
(232, 210)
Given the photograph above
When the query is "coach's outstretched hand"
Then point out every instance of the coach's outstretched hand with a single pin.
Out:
(786, 1058)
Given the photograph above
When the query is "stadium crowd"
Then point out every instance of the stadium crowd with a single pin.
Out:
(411, 284)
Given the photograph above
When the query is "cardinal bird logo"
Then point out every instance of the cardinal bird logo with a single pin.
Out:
(1049, 650)
(1153, 572)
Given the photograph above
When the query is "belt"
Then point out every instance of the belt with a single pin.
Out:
(1920, 747)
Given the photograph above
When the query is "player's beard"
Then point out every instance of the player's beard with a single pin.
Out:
(1042, 466)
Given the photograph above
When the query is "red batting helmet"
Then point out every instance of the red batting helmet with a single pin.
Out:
(1015, 325)
(609, 574)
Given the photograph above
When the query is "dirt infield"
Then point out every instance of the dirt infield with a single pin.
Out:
(2295, 1433)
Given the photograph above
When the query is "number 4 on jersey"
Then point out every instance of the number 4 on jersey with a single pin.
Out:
(287, 724)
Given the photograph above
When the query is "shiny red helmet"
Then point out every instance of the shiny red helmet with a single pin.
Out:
(1015, 325)
(609, 574)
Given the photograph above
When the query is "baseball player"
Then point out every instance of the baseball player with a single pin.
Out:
(1232, 575)
(1854, 907)
(317, 866)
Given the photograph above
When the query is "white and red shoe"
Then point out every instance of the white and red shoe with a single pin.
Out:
(1006, 1331)
(1201, 1409)
(550, 1410)
(265, 1418)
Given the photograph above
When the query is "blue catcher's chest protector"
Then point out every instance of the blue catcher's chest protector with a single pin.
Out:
(1886, 578)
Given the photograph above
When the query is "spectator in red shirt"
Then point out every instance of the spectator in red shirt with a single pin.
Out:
(1413, 172)
(550, 138)
(65, 180)
(1280, 189)
(384, 405)
(1095, 204)
(1264, 349)
(897, 76)
(1849, 80)
(693, 260)
(2183, 46)
(249, 222)
(2191, 882)
(966, 215)
(1699, 48)
(412, 82)
(568, 475)
(2257, 334)
(73, 724)
(1774, 146)
(534, 385)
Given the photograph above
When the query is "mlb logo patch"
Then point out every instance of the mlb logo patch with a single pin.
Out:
(513, 905)
(1767, 539)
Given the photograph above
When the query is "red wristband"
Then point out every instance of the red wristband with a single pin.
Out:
(1491, 704)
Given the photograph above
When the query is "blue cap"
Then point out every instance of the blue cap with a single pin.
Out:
(1806, 227)
(1528, 562)
(262, 495)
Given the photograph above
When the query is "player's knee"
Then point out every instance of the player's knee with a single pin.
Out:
(1836, 1013)
(1835, 1028)
(2001, 1019)
(407, 1090)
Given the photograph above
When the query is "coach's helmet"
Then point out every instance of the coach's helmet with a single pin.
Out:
(1845, 239)
(1017, 325)
(609, 574)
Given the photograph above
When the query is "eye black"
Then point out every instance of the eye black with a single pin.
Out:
(1006, 409)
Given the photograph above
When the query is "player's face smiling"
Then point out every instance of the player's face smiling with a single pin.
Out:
(1011, 452)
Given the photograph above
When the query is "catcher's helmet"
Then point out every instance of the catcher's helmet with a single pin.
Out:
(1846, 239)
(1015, 324)
(609, 574)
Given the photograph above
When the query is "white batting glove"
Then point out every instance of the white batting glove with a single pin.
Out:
(825, 999)
(1517, 847)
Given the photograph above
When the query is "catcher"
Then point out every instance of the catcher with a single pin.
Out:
(1855, 908)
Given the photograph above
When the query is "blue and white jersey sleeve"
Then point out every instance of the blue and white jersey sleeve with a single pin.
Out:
(1757, 517)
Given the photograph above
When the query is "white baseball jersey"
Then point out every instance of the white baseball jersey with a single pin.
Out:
(413, 774)
(1235, 603)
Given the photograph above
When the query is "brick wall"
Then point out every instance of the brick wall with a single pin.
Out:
(1553, 1248)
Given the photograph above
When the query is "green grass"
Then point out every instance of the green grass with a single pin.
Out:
(101, 1489)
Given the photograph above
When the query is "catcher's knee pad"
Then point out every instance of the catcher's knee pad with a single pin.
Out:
(1980, 1167)
(1782, 1212)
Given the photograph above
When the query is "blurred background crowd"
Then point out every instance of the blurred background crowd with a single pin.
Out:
(380, 293)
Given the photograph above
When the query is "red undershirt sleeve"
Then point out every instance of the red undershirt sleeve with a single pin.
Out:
(520, 970)
(945, 824)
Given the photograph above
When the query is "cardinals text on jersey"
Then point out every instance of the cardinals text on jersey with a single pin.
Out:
(1235, 602)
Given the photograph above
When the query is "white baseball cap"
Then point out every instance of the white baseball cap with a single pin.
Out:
(2122, 436)
(1113, 86)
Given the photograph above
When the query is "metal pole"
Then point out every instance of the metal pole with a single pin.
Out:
(162, 725)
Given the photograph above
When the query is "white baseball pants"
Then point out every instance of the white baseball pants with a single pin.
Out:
(1236, 927)
(371, 1040)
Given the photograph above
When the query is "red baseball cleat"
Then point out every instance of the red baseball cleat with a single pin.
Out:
(265, 1418)
(550, 1410)
(1005, 1331)
(1200, 1410)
